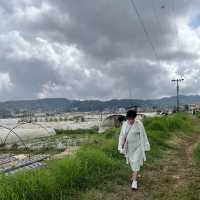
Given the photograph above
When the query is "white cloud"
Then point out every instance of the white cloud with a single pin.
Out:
(5, 82)
(97, 49)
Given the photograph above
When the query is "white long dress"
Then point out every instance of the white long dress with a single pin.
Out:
(133, 143)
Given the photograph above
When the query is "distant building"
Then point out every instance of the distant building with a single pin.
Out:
(39, 115)
(121, 110)
(194, 107)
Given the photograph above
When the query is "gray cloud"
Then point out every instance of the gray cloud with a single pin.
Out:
(97, 49)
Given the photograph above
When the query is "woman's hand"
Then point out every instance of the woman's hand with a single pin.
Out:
(123, 144)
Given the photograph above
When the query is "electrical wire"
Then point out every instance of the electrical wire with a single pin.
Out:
(158, 23)
(155, 13)
(134, 6)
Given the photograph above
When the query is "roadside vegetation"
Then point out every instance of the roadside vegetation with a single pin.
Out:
(96, 167)
(197, 154)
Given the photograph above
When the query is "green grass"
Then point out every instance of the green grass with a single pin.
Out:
(167, 124)
(197, 154)
(93, 164)
(76, 132)
(198, 114)
(161, 129)
(62, 179)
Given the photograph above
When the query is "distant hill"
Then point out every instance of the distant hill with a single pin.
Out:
(60, 105)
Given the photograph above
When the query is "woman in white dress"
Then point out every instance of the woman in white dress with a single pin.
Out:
(133, 143)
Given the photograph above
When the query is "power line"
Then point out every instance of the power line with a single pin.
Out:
(144, 28)
(155, 13)
(175, 21)
(157, 22)
(177, 41)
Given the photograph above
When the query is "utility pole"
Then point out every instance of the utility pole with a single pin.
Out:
(177, 86)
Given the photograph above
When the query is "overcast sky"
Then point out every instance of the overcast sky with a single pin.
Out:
(97, 49)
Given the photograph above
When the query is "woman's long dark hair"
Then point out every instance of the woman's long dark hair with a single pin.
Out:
(131, 114)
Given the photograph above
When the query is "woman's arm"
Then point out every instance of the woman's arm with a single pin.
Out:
(121, 139)
(146, 141)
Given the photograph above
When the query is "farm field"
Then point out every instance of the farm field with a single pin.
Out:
(41, 128)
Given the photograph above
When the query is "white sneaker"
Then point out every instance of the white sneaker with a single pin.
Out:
(134, 185)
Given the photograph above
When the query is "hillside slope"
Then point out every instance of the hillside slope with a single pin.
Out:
(65, 105)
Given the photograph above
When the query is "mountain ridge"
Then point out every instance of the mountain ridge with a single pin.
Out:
(61, 105)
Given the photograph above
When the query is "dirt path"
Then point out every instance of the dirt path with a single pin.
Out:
(174, 177)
